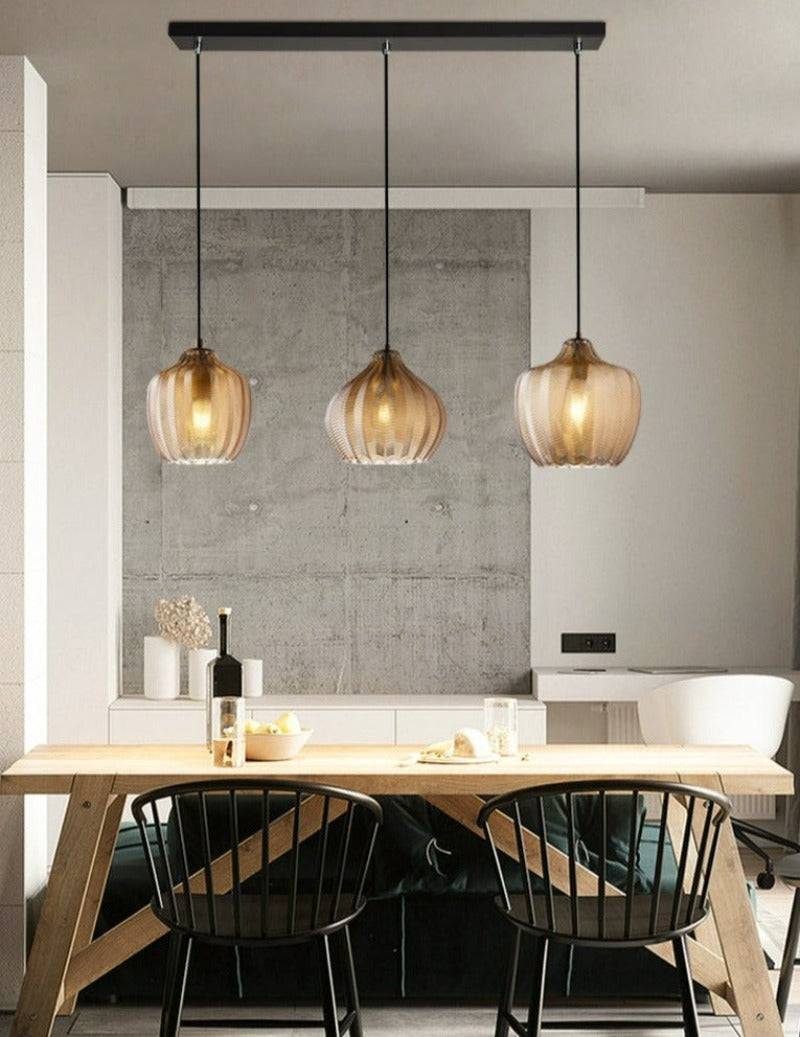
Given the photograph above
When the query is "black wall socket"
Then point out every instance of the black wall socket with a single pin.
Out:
(588, 642)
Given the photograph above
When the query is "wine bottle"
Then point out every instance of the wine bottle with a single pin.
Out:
(225, 672)
(227, 675)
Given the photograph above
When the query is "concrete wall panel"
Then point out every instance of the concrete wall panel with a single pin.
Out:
(347, 579)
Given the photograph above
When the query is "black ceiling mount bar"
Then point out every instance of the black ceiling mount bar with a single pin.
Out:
(434, 36)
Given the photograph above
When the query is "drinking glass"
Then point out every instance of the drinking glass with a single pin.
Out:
(500, 724)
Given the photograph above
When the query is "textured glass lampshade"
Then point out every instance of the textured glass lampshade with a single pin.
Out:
(198, 411)
(385, 415)
(577, 410)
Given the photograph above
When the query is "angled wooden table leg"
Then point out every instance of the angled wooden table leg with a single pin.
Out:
(740, 943)
(737, 932)
(63, 903)
(97, 885)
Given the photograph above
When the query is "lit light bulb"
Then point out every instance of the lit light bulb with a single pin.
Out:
(384, 413)
(577, 403)
(201, 416)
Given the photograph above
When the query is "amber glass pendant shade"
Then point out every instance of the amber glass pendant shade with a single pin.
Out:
(385, 415)
(577, 410)
(198, 411)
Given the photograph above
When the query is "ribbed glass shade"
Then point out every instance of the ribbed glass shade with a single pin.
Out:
(577, 410)
(385, 415)
(198, 411)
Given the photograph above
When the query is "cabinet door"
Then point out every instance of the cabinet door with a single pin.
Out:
(157, 727)
(423, 726)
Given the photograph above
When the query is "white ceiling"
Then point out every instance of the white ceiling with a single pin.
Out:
(683, 95)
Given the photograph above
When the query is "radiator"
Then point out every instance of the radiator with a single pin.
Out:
(622, 726)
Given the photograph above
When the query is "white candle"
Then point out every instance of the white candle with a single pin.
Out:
(199, 659)
(252, 678)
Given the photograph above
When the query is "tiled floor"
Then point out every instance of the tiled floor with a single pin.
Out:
(128, 1021)
(138, 1021)
(656, 1021)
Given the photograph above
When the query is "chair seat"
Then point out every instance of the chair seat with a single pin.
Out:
(643, 927)
(278, 927)
(788, 868)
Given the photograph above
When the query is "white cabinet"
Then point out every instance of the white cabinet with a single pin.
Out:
(335, 719)
(421, 726)
(341, 726)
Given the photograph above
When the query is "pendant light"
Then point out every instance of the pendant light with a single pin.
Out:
(198, 411)
(385, 415)
(577, 410)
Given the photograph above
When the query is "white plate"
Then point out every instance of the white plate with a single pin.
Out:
(424, 758)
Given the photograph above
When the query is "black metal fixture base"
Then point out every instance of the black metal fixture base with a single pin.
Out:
(523, 36)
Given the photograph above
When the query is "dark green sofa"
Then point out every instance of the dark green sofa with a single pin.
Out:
(430, 931)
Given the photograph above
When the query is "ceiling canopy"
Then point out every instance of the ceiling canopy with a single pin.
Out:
(680, 97)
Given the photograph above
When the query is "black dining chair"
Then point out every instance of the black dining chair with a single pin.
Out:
(788, 868)
(259, 864)
(588, 887)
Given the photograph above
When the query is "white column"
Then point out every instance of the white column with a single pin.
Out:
(84, 459)
(23, 491)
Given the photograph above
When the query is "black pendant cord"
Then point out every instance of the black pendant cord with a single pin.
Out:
(386, 185)
(577, 49)
(197, 49)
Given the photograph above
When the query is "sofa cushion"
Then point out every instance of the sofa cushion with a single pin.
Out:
(422, 850)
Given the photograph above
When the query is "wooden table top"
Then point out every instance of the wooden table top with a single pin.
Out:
(384, 769)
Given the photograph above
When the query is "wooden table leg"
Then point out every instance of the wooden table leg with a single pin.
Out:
(63, 903)
(738, 934)
(97, 885)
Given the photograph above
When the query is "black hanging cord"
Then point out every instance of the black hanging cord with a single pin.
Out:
(386, 184)
(577, 48)
(197, 48)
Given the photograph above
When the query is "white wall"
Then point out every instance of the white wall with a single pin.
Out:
(85, 458)
(23, 489)
(687, 550)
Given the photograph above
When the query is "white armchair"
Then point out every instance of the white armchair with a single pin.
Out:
(721, 709)
(733, 709)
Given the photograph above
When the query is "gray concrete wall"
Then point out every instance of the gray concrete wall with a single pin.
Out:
(342, 578)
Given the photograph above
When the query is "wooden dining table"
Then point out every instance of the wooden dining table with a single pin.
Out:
(65, 956)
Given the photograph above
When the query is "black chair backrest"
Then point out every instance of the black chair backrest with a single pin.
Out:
(257, 861)
(594, 888)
